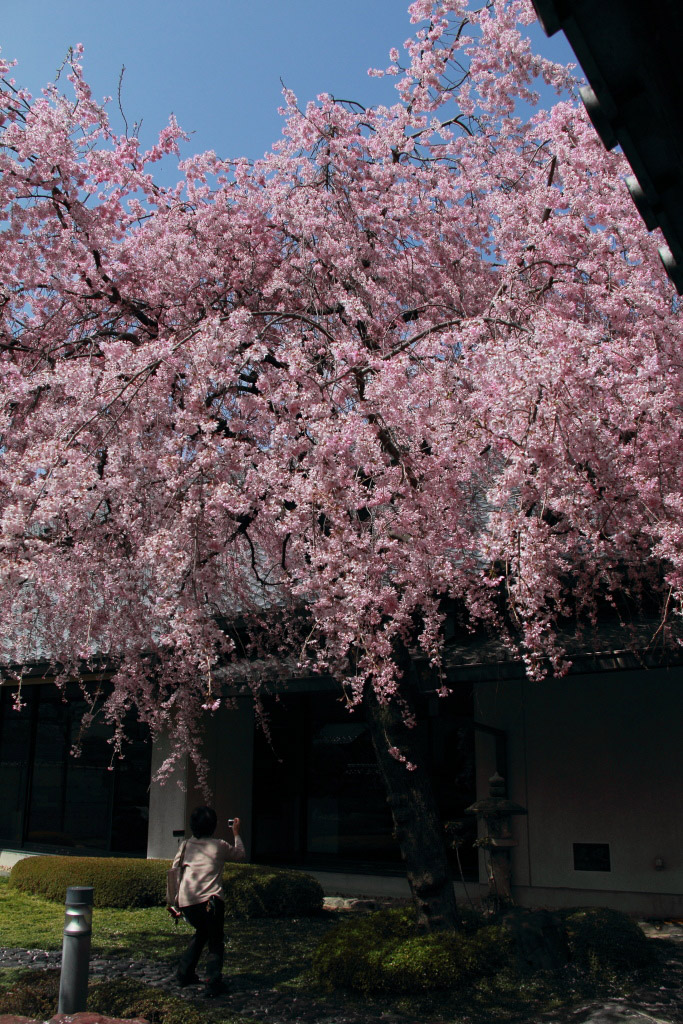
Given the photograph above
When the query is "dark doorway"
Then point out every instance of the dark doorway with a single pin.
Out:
(319, 799)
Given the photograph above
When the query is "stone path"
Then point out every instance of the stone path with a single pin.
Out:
(659, 1004)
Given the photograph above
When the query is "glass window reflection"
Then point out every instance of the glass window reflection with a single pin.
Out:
(68, 792)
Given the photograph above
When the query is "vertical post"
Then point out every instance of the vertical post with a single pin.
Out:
(73, 983)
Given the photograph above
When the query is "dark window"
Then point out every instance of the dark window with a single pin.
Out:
(48, 777)
(279, 768)
(450, 757)
(347, 814)
(130, 808)
(591, 857)
(68, 791)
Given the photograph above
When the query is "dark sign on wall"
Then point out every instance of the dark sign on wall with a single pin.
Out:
(592, 857)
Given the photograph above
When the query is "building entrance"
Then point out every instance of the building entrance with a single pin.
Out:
(319, 799)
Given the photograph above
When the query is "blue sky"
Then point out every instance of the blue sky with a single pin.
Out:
(216, 64)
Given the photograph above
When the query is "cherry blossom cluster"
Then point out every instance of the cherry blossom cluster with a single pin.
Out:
(279, 417)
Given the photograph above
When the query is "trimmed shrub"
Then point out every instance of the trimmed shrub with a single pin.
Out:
(383, 953)
(603, 941)
(250, 890)
(117, 881)
(128, 998)
(33, 994)
(255, 891)
(36, 994)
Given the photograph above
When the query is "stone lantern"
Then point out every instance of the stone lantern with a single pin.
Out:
(495, 812)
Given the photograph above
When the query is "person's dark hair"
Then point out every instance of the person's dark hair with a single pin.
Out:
(203, 822)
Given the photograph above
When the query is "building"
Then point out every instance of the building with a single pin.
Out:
(634, 98)
(595, 758)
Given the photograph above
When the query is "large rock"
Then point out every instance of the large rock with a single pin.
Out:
(539, 937)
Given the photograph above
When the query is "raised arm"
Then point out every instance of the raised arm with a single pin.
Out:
(237, 851)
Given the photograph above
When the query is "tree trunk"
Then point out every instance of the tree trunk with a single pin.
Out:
(417, 822)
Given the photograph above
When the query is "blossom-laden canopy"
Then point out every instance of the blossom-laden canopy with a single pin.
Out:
(416, 353)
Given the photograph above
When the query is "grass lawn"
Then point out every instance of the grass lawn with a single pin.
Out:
(273, 951)
(29, 922)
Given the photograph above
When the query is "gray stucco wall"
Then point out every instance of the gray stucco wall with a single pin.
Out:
(228, 749)
(167, 803)
(595, 758)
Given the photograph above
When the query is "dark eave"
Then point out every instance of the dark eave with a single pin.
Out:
(632, 56)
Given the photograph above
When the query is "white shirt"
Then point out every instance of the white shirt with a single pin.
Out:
(202, 872)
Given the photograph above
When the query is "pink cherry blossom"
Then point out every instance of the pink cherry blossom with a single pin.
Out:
(279, 414)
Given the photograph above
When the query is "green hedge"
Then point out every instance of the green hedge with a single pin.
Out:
(126, 998)
(250, 890)
(255, 891)
(117, 881)
(605, 941)
(34, 993)
(383, 953)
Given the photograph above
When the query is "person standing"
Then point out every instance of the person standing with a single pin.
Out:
(201, 899)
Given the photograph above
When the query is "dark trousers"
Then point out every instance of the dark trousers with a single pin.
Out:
(207, 920)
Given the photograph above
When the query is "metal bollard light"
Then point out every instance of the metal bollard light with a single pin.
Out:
(73, 983)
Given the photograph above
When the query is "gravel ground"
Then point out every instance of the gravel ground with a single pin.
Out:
(660, 1003)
